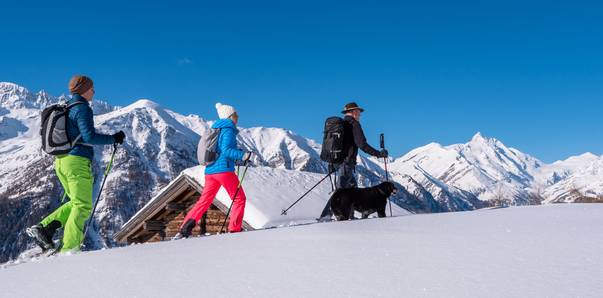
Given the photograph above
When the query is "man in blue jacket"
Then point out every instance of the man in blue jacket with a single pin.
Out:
(75, 172)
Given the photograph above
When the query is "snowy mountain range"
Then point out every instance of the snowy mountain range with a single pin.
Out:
(161, 143)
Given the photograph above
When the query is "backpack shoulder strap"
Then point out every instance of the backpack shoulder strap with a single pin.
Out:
(219, 134)
(78, 139)
(71, 105)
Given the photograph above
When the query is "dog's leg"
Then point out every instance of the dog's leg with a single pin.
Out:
(351, 216)
(381, 212)
(365, 215)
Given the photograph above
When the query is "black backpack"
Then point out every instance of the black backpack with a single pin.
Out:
(53, 129)
(333, 150)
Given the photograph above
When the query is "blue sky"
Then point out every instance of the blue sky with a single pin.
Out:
(529, 73)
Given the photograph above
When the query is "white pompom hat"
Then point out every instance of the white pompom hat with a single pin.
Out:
(224, 111)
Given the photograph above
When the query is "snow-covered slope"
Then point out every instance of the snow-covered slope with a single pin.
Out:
(512, 252)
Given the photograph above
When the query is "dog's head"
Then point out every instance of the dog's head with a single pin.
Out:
(388, 188)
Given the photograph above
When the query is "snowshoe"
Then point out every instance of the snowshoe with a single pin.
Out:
(51, 252)
(178, 236)
(325, 219)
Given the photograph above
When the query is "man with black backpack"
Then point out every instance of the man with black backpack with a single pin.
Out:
(68, 133)
(353, 138)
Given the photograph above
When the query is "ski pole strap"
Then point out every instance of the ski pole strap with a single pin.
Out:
(64, 197)
(243, 177)
(331, 183)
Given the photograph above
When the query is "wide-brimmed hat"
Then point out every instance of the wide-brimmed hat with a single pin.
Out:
(350, 107)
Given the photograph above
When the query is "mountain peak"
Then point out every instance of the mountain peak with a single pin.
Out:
(584, 158)
(478, 138)
(588, 155)
(12, 88)
(14, 96)
(142, 104)
(147, 103)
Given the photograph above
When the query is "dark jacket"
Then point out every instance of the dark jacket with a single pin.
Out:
(81, 122)
(353, 138)
(228, 152)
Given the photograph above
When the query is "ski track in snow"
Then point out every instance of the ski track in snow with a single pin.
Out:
(545, 251)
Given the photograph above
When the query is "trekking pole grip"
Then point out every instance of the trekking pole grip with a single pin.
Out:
(110, 165)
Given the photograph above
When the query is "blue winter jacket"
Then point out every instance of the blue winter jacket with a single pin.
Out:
(228, 152)
(81, 121)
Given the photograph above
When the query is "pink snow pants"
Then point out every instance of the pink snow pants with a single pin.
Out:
(213, 182)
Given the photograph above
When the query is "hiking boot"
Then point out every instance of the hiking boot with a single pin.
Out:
(41, 236)
(187, 229)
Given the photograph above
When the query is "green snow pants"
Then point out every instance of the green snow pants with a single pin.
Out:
(75, 174)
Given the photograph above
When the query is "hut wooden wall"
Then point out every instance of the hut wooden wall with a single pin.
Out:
(209, 224)
(167, 224)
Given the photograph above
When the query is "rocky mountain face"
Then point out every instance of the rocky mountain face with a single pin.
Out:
(161, 143)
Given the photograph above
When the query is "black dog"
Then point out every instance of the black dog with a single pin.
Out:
(364, 200)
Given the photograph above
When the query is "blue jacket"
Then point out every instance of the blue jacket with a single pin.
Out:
(228, 152)
(81, 121)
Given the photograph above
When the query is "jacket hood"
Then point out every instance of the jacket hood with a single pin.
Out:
(224, 123)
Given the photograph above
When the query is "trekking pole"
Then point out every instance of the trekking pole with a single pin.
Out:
(307, 192)
(100, 191)
(386, 173)
(235, 195)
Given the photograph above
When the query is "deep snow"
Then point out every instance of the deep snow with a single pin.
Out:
(545, 251)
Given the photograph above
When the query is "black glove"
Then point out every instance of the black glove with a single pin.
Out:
(383, 153)
(119, 137)
(247, 156)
